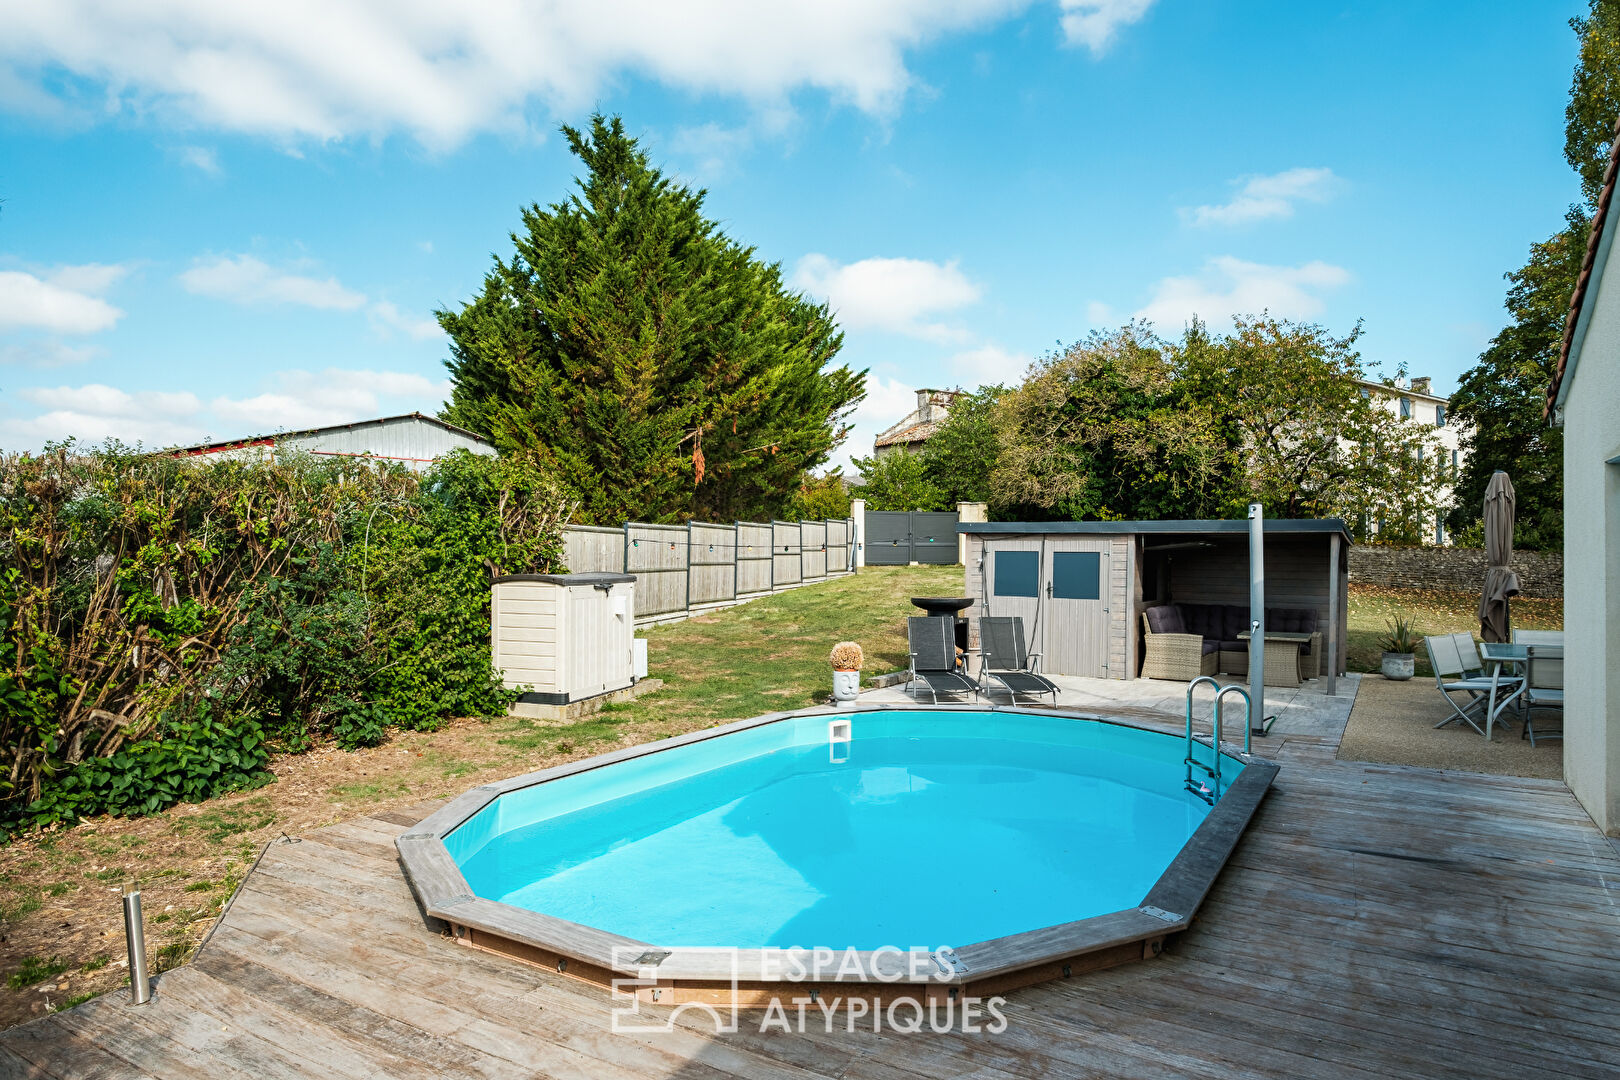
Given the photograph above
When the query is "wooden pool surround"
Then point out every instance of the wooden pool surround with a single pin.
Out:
(755, 978)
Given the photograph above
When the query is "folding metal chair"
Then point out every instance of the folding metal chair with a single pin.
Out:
(1003, 658)
(1457, 670)
(932, 640)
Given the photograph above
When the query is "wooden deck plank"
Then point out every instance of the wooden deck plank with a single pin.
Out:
(1374, 921)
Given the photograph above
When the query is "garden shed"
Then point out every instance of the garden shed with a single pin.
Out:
(1081, 587)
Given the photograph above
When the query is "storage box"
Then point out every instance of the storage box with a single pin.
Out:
(562, 638)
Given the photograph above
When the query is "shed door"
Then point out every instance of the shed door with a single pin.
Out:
(1012, 586)
(1075, 631)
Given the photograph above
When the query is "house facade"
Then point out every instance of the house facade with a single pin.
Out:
(413, 440)
(915, 428)
(1412, 399)
(1585, 399)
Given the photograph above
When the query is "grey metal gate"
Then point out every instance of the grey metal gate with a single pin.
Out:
(899, 537)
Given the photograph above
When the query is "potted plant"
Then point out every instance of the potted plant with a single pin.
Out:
(1400, 649)
(846, 664)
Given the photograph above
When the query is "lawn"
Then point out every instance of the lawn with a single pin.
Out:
(1372, 608)
(61, 935)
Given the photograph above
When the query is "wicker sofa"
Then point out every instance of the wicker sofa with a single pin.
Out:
(1184, 641)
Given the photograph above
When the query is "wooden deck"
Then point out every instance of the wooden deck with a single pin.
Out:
(1375, 921)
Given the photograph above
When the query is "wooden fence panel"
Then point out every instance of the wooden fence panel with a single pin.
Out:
(678, 567)
(657, 556)
(714, 563)
(813, 549)
(591, 549)
(838, 547)
(753, 558)
(786, 550)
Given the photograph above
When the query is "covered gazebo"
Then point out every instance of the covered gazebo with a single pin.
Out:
(1081, 586)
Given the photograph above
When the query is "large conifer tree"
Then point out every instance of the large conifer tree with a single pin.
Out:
(665, 370)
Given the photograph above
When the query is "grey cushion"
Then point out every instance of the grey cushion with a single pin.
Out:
(1166, 619)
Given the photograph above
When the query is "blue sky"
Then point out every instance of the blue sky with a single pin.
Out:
(220, 220)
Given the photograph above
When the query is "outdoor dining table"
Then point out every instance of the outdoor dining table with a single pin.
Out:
(1282, 655)
(1500, 654)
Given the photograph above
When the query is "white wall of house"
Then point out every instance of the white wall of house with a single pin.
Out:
(1432, 411)
(1591, 419)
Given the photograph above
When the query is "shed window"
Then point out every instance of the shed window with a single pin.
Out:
(1406, 408)
(1077, 575)
(1439, 416)
(1017, 573)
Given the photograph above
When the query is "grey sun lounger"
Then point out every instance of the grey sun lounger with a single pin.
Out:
(1004, 659)
(932, 641)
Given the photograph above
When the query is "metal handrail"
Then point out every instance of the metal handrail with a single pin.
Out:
(1248, 708)
(1215, 742)
(1214, 770)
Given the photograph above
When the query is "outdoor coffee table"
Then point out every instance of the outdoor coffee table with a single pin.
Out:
(1282, 656)
(1500, 654)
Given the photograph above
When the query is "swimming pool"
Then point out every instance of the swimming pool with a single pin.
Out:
(1002, 840)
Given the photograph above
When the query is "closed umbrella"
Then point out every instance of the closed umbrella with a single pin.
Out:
(1500, 580)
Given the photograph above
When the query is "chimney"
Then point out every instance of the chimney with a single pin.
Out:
(1420, 384)
(922, 403)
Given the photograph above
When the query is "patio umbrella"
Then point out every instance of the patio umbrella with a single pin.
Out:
(1500, 581)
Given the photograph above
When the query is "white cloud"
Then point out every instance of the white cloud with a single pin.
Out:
(95, 412)
(62, 301)
(303, 399)
(1264, 197)
(1231, 286)
(247, 280)
(306, 70)
(388, 317)
(987, 364)
(200, 158)
(1099, 316)
(1095, 23)
(296, 399)
(887, 400)
(896, 295)
(48, 353)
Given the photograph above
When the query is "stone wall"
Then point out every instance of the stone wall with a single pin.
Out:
(1459, 569)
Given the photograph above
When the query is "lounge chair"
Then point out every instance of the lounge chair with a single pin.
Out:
(1543, 686)
(1002, 657)
(1457, 670)
(932, 640)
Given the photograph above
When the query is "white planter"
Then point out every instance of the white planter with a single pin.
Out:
(1399, 666)
(846, 685)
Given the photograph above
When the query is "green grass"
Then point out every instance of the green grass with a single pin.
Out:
(764, 656)
(365, 790)
(96, 965)
(1372, 608)
(15, 910)
(78, 999)
(34, 970)
(213, 826)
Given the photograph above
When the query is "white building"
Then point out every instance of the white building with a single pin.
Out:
(1585, 399)
(412, 440)
(1412, 400)
(912, 431)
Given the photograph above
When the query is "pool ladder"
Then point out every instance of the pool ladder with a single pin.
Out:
(1210, 789)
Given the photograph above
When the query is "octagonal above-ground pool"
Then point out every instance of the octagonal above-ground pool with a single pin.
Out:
(880, 852)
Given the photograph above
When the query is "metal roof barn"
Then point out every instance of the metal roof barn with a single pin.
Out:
(412, 440)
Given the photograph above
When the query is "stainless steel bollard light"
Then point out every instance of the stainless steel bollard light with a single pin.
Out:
(140, 987)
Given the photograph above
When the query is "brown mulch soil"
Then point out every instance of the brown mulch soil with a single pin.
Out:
(60, 907)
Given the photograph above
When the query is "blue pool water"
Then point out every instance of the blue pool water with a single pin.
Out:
(933, 829)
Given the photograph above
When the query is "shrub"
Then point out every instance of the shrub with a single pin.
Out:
(162, 618)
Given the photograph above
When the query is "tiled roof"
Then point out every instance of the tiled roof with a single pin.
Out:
(914, 433)
(1588, 266)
